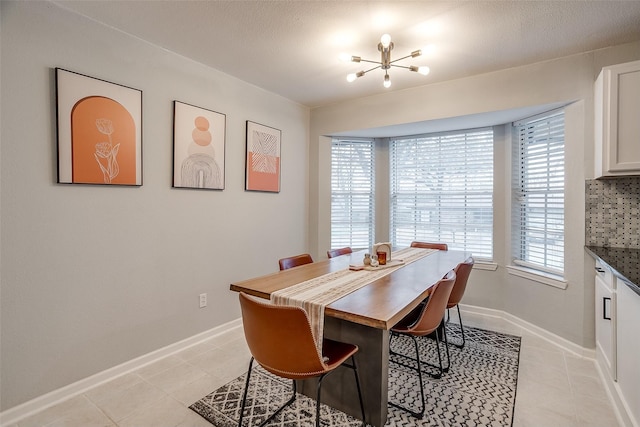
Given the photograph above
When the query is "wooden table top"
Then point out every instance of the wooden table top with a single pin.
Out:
(380, 304)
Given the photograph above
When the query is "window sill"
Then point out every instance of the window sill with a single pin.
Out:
(538, 276)
(485, 265)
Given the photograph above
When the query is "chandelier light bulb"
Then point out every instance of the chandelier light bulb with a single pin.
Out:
(387, 81)
(385, 40)
(351, 77)
(424, 70)
(344, 57)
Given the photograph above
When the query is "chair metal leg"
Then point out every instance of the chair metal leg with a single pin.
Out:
(461, 329)
(354, 367)
(318, 389)
(446, 346)
(244, 396)
(420, 413)
(436, 336)
(287, 403)
(442, 369)
(244, 399)
(438, 375)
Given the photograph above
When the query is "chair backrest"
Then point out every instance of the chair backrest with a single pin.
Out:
(462, 275)
(429, 245)
(280, 339)
(295, 261)
(337, 252)
(434, 309)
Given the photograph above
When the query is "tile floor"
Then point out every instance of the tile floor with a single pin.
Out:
(555, 388)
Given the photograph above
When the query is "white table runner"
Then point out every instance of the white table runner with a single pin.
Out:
(315, 294)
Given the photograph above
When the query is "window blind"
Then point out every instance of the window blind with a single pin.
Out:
(352, 193)
(442, 190)
(538, 202)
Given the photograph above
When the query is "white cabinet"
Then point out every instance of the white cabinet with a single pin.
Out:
(605, 309)
(628, 337)
(617, 120)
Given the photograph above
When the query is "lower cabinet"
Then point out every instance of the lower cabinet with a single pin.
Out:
(605, 313)
(628, 343)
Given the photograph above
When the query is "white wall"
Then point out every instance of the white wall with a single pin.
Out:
(567, 313)
(94, 276)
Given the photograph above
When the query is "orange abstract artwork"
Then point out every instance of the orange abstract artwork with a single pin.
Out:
(103, 142)
(263, 158)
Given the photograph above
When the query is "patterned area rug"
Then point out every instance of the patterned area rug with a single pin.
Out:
(478, 390)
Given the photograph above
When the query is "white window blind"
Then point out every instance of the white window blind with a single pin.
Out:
(442, 190)
(538, 200)
(352, 193)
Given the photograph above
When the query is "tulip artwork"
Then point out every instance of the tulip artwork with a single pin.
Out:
(99, 131)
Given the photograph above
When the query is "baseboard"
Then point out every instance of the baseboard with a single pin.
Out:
(13, 415)
(557, 340)
(620, 405)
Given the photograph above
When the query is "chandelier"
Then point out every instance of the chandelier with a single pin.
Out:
(385, 47)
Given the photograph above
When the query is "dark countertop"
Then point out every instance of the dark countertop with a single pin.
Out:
(624, 262)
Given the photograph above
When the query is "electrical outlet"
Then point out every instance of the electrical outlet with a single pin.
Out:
(203, 300)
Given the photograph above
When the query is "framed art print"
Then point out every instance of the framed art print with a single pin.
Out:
(198, 147)
(263, 158)
(99, 126)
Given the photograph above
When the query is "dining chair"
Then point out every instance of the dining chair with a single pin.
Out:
(337, 252)
(429, 245)
(423, 321)
(462, 271)
(294, 261)
(280, 340)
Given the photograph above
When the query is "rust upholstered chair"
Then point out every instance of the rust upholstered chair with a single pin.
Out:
(422, 321)
(337, 252)
(429, 245)
(280, 340)
(462, 276)
(294, 261)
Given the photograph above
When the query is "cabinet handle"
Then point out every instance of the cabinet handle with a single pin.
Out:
(604, 308)
(599, 270)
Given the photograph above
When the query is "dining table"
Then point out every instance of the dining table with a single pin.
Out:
(363, 317)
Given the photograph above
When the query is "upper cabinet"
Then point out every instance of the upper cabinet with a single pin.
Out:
(617, 121)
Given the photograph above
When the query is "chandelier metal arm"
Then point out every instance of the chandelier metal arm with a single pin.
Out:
(399, 59)
(374, 68)
(371, 62)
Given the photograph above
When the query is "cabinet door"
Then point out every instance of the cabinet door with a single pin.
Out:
(617, 125)
(605, 326)
(629, 349)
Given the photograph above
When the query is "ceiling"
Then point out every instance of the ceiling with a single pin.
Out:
(293, 47)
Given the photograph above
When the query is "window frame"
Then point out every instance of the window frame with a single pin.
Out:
(354, 197)
(481, 197)
(536, 184)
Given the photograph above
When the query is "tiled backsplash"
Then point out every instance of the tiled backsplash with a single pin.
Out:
(613, 212)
